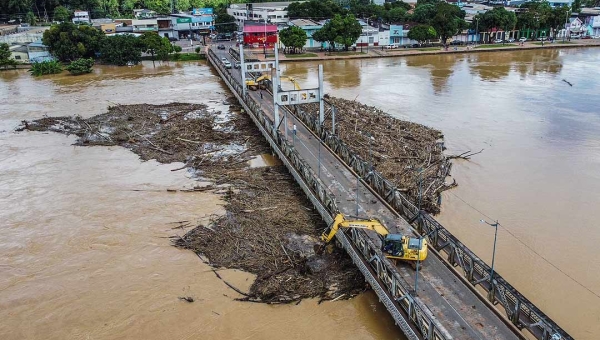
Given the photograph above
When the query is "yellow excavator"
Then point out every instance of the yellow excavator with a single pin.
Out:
(255, 84)
(394, 246)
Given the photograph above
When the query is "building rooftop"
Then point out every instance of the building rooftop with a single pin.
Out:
(263, 5)
(18, 48)
(304, 22)
(259, 28)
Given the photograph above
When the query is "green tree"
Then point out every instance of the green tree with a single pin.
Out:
(576, 6)
(497, 18)
(68, 42)
(397, 14)
(160, 6)
(61, 14)
(5, 59)
(224, 22)
(315, 9)
(422, 33)
(293, 37)
(121, 50)
(80, 66)
(156, 46)
(341, 30)
(423, 14)
(558, 18)
(448, 20)
(30, 18)
(46, 67)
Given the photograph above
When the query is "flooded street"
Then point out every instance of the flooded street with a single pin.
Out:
(538, 174)
(85, 250)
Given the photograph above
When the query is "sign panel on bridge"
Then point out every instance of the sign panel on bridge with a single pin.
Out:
(298, 97)
(259, 66)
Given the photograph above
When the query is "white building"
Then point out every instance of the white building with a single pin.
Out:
(272, 12)
(369, 35)
(81, 17)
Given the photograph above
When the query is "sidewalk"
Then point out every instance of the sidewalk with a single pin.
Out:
(387, 53)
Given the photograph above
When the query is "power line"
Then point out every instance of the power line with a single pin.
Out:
(529, 247)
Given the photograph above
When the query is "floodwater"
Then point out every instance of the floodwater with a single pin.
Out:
(84, 239)
(538, 173)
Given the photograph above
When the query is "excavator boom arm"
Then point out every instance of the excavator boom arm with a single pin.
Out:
(340, 222)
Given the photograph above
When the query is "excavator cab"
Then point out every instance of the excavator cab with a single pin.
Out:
(392, 245)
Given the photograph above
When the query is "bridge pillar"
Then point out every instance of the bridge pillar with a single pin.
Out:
(275, 83)
(243, 70)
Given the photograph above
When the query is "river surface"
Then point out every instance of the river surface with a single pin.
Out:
(538, 174)
(84, 231)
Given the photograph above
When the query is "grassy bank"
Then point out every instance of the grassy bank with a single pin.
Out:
(303, 55)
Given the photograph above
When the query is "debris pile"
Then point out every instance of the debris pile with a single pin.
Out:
(409, 155)
(269, 229)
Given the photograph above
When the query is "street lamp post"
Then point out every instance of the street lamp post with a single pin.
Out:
(566, 22)
(477, 29)
(371, 138)
(495, 225)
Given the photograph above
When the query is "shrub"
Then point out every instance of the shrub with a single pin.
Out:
(81, 66)
(46, 67)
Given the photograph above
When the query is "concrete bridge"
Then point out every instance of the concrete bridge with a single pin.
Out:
(455, 297)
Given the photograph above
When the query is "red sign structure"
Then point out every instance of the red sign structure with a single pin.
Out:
(254, 34)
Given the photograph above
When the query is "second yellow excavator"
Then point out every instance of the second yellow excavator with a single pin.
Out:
(394, 246)
(255, 84)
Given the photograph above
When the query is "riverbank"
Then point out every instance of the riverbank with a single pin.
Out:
(389, 53)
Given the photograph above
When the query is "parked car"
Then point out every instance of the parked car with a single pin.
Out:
(498, 41)
(587, 37)
(173, 39)
(456, 42)
(415, 45)
(237, 64)
(522, 39)
(541, 39)
(510, 40)
(221, 47)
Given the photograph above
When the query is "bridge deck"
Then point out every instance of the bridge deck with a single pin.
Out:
(457, 308)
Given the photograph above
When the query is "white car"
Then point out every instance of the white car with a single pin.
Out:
(510, 40)
(522, 39)
(498, 41)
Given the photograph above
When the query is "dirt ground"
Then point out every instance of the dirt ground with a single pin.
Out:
(409, 155)
(269, 229)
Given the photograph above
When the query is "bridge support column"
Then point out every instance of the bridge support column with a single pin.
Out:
(275, 83)
(243, 70)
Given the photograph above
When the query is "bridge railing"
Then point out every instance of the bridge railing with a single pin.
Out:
(519, 310)
(394, 292)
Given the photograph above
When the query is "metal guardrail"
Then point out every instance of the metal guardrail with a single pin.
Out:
(519, 310)
(410, 314)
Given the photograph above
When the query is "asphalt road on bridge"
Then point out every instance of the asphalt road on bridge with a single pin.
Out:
(456, 307)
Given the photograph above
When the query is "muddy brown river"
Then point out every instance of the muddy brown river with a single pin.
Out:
(84, 247)
(84, 252)
(538, 174)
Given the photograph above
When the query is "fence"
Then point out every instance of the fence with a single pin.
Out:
(381, 274)
(519, 310)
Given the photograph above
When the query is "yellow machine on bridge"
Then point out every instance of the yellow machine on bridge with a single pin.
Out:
(394, 246)
(255, 84)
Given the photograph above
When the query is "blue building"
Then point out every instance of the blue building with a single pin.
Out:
(310, 27)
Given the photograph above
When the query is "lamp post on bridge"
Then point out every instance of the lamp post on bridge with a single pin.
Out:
(495, 225)
(420, 238)
(371, 138)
